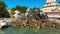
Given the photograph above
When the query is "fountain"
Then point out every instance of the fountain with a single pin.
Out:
(27, 12)
(17, 14)
(5, 23)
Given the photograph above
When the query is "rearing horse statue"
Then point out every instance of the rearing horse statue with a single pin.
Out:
(38, 14)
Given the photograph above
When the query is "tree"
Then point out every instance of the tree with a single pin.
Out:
(20, 8)
(33, 9)
(3, 10)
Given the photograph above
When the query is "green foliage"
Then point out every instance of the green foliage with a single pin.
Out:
(33, 9)
(23, 9)
(3, 10)
(2, 5)
(20, 8)
(12, 10)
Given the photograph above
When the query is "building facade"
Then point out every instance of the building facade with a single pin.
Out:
(52, 9)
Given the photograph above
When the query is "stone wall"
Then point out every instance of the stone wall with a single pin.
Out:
(34, 24)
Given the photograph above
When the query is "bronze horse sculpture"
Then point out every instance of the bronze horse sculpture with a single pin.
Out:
(39, 15)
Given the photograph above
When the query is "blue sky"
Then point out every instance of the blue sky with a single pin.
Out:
(29, 3)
